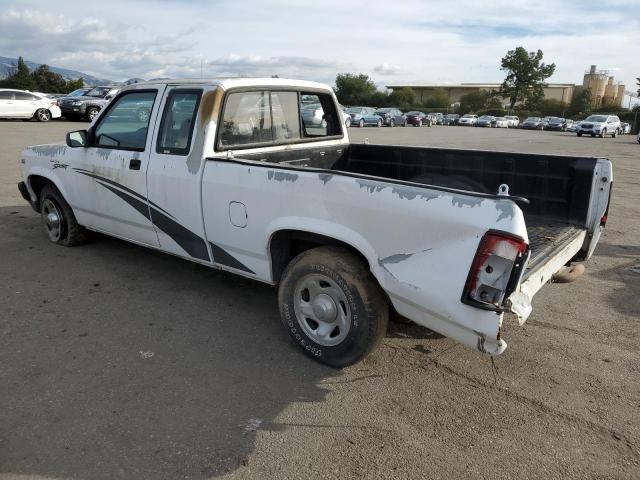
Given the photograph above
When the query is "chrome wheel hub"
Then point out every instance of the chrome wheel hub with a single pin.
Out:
(52, 220)
(322, 310)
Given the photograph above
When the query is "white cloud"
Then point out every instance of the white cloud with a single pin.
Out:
(386, 69)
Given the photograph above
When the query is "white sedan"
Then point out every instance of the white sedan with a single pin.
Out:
(27, 105)
(502, 122)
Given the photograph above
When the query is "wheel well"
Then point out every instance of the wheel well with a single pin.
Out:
(285, 245)
(37, 183)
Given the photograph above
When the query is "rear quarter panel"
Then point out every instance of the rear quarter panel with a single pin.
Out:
(419, 243)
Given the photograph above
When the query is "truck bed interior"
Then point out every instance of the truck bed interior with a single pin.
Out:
(558, 187)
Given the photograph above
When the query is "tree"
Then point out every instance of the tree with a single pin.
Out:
(638, 84)
(20, 78)
(404, 98)
(72, 85)
(48, 81)
(474, 101)
(439, 99)
(551, 106)
(525, 76)
(354, 89)
(581, 102)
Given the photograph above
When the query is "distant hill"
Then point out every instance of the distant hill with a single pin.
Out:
(7, 64)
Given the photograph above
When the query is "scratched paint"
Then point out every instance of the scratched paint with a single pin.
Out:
(49, 150)
(325, 177)
(282, 176)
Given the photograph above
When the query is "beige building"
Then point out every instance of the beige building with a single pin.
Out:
(603, 89)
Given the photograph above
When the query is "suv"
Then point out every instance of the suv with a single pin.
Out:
(88, 104)
(600, 125)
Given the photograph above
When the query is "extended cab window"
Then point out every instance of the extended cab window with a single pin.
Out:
(319, 115)
(178, 119)
(246, 119)
(125, 125)
(284, 111)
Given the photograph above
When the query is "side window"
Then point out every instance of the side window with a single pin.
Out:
(246, 119)
(6, 95)
(284, 112)
(319, 115)
(125, 125)
(23, 96)
(178, 119)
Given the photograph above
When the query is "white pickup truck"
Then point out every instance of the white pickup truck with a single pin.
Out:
(229, 174)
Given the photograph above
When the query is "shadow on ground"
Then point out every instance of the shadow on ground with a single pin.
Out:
(121, 362)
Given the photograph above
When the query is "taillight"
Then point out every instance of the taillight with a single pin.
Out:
(500, 259)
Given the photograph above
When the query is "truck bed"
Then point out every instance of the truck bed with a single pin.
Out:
(545, 238)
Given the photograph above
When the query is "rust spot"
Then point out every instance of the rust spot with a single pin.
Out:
(210, 105)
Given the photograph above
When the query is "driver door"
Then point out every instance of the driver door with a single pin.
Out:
(113, 170)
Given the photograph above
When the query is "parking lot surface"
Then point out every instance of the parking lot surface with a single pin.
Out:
(121, 362)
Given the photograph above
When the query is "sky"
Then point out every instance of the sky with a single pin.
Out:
(394, 42)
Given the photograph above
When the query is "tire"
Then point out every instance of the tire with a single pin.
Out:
(603, 133)
(361, 123)
(91, 113)
(392, 123)
(58, 219)
(379, 124)
(347, 122)
(419, 123)
(42, 115)
(613, 135)
(337, 284)
(404, 124)
(579, 134)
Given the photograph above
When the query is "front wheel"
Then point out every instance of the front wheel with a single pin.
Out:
(603, 133)
(392, 123)
(91, 113)
(614, 134)
(579, 134)
(419, 123)
(332, 306)
(379, 123)
(43, 115)
(58, 219)
(361, 123)
(347, 122)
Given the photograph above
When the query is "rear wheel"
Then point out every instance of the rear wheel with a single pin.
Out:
(392, 123)
(603, 133)
(347, 122)
(58, 219)
(332, 306)
(419, 123)
(361, 123)
(43, 115)
(379, 123)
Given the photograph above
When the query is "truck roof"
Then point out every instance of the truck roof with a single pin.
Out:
(228, 83)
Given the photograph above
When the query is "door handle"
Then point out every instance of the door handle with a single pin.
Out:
(134, 164)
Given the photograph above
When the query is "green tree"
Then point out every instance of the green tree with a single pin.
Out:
(47, 81)
(72, 85)
(404, 98)
(474, 101)
(581, 102)
(354, 89)
(439, 99)
(638, 84)
(20, 78)
(525, 76)
(554, 107)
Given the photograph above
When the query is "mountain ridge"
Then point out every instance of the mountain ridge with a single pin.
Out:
(7, 64)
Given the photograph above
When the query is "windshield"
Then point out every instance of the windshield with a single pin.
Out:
(533, 119)
(355, 110)
(413, 113)
(556, 120)
(468, 116)
(597, 118)
(384, 110)
(485, 117)
(77, 93)
(500, 119)
(98, 92)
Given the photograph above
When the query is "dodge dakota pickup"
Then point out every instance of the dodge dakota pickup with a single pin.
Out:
(227, 174)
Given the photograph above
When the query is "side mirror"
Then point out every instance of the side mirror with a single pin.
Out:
(77, 139)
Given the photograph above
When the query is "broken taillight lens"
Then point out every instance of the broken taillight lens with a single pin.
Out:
(500, 258)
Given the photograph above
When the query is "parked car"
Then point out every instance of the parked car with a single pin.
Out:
(638, 137)
(418, 119)
(484, 121)
(545, 121)
(625, 128)
(87, 105)
(313, 115)
(600, 125)
(362, 116)
(439, 117)
(557, 123)
(513, 121)
(532, 123)
(27, 105)
(451, 119)
(468, 120)
(392, 117)
(346, 118)
(501, 122)
(573, 127)
(248, 189)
